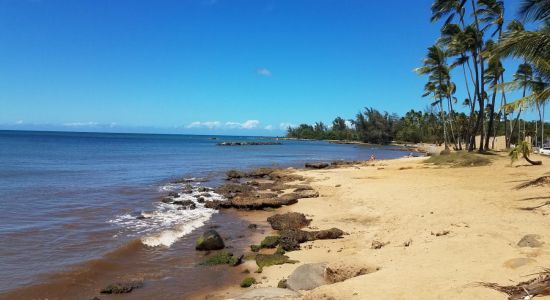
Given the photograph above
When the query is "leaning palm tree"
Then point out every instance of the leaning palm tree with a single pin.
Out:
(524, 149)
(435, 66)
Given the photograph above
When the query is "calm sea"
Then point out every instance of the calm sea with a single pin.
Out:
(67, 198)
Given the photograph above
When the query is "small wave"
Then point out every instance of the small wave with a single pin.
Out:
(168, 222)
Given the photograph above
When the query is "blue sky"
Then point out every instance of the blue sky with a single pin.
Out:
(208, 66)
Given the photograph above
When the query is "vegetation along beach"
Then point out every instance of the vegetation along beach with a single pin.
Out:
(274, 149)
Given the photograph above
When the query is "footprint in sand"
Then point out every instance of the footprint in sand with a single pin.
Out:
(518, 262)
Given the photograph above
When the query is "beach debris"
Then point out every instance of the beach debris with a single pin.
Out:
(121, 287)
(407, 243)
(266, 260)
(378, 244)
(536, 207)
(292, 238)
(317, 165)
(530, 240)
(248, 282)
(282, 284)
(223, 258)
(441, 233)
(537, 286)
(269, 293)
(340, 271)
(291, 220)
(338, 185)
(210, 240)
(307, 277)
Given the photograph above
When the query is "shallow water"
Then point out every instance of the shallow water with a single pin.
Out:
(71, 199)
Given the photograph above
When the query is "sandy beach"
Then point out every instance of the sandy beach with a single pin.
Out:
(462, 227)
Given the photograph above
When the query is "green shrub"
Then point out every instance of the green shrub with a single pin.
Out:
(248, 282)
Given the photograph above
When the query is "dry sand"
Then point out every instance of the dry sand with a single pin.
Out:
(407, 200)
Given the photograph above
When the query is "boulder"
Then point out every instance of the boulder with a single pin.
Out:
(340, 271)
(291, 220)
(291, 239)
(210, 240)
(185, 203)
(307, 277)
(318, 165)
(269, 293)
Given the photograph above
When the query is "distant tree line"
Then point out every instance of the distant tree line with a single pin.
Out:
(373, 126)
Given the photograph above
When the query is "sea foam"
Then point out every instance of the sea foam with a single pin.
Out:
(167, 222)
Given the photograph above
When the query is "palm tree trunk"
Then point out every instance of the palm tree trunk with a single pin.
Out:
(491, 117)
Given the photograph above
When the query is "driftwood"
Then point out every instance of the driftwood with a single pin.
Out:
(535, 207)
(538, 286)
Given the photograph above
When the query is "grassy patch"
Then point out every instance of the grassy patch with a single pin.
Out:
(461, 159)
(270, 241)
(247, 282)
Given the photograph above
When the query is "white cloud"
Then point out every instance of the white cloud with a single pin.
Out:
(263, 72)
(269, 127)
(284, 126)
(249, 124)
(81, 124)
(207, 124)
(349, 124)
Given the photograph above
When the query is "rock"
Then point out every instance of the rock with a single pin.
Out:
(270, 241)
(378, 244)
(173, 194)
(167, 200)
(121, 287)
(320, 165)
(266, 260)
(234, 174)
(200, 200)
(260, 172)
(291, 239)
(338, 271)
(291, 220)
(206, 195)
(230, 190)
(282, 284)
(252, 226)
(210, 240)
(217, 204)
(530, 240)
(269, 293)
(144, 215)
(301, 188)
(185, 203)
(223, 258)
(203, 189)
(307, 277)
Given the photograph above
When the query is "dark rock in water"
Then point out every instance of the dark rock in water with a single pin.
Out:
(260, 172)
(291, 220)
(173, 194)
(144, 215)
(217, 204)
(223, 258)
(232, 174)
(342, 163)
(121, 288)
(291, 239)
(200, 200)
(320, 165)
(210, 240)
(248, 143)
(252, 226)
(203, 189)
(186, 203)
(167, 200)
(230, 190)
(207, 195)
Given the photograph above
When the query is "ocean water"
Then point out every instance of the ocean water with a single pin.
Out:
(70, 198)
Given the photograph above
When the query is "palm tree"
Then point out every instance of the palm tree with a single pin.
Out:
(524, 149)
(493, 74)
(435, 66)
(537, 10)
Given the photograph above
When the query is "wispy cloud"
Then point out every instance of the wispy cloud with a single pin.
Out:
(285, 125)
(269, 127)
(89, 124)
(207, 124)
(248, 124)
(263, 72)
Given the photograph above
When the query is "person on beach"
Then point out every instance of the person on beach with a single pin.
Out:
(372, 157)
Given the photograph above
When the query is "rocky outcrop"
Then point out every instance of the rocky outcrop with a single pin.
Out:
(317, 165)
(291, 220)
(121, 287)
(210, 240)
(291, 239)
